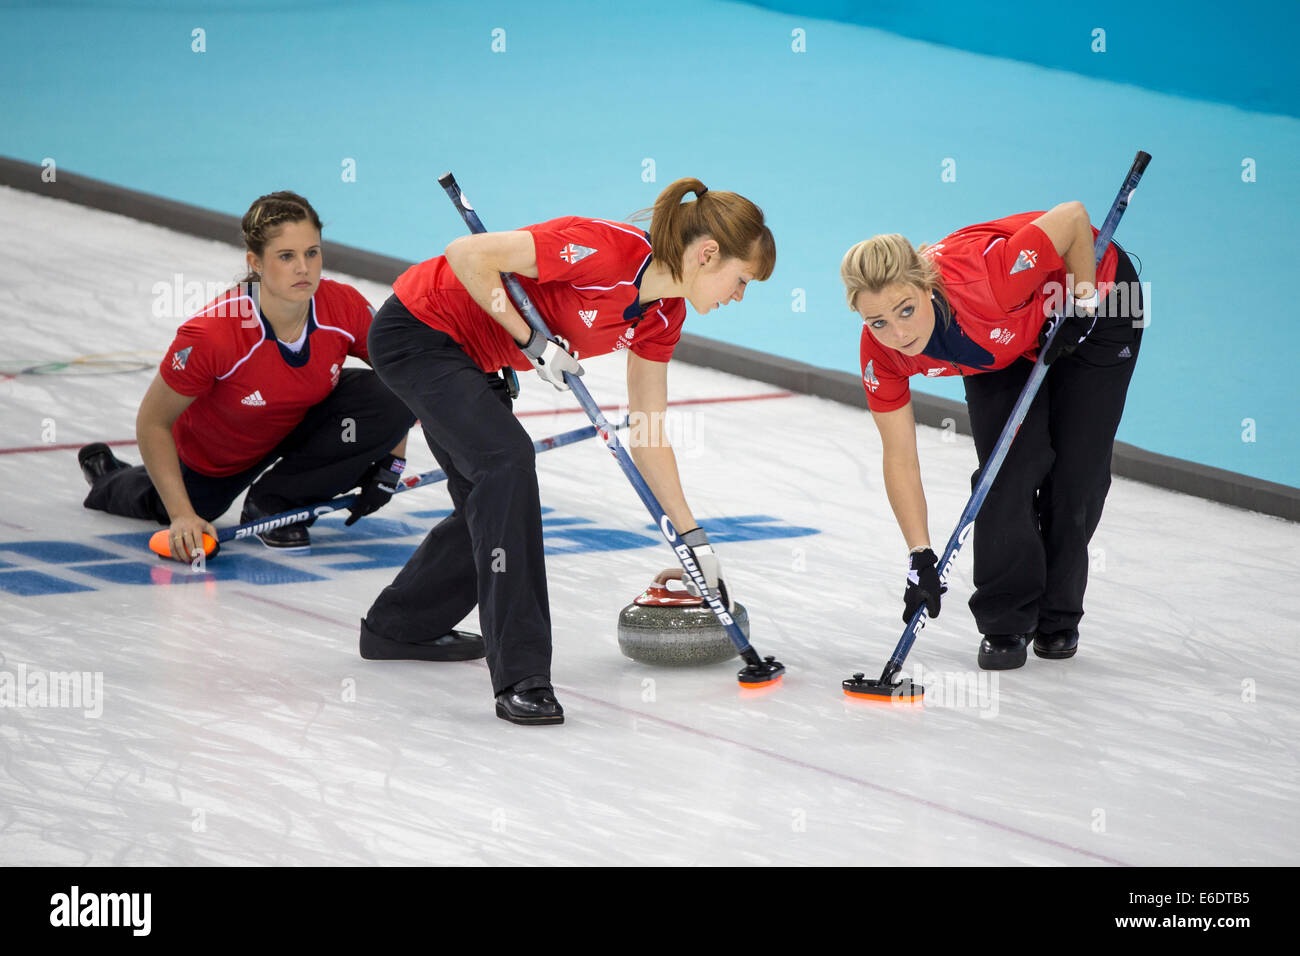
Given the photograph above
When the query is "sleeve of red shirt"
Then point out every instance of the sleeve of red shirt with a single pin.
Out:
(356, 316)
(886, 389)
(659, 331)
(1021, 266)
(587, 252)
(196, 357)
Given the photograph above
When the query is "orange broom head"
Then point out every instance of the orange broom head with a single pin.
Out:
(904, 692)
(763, 685)
(161, 544)
(887, 697)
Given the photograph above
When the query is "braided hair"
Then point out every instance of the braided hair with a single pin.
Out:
(265, 217)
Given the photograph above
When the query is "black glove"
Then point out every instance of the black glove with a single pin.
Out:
(1076, 324)
(923, 585)
(377, 487)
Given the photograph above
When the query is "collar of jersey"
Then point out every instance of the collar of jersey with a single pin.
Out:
(634, 311)
(948, 343)
(291, 358)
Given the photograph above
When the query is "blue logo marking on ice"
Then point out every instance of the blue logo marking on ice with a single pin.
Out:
(35, 568)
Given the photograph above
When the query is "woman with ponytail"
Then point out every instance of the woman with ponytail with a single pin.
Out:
(252, 394)
(974, 304)
(441, 343)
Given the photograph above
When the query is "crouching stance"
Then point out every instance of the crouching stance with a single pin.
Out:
(252, 394)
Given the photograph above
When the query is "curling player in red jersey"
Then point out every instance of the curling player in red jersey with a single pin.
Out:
(442, 341)
(252, 394)
(975, 304)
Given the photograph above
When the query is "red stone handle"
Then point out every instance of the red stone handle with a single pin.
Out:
(669, 574)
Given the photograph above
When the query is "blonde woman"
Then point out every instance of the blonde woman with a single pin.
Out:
(974, 304)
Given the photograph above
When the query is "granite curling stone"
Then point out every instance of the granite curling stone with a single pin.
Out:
(674, 627)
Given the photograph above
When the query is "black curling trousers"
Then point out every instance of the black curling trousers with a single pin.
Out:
(488, 551)
(1032, 533)
(326, 454)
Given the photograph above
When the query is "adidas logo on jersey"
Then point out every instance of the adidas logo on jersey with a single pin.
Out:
(575, 253)
(588, 316)
(253, 399)
(934, 372)
(1125, 352)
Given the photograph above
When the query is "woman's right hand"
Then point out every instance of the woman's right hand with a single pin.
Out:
(186, 535)
(552, 359)
(159, 409)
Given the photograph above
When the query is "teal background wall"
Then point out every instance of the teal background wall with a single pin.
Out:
(838, 129)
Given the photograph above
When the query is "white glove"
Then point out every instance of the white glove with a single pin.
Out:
(708, 564)
(551, 360)
(1084, 306)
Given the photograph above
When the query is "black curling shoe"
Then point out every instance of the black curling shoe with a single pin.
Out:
(1003, 652)
(454, 646)
(97, 460)
(531, 701)
(1058, 646)
(293, 537)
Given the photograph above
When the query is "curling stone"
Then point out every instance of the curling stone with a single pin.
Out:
(673, 626)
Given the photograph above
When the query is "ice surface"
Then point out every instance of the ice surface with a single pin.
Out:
(240, 726)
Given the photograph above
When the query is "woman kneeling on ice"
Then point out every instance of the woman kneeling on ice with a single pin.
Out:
(255, 381)
(440, 343)
(974, 304)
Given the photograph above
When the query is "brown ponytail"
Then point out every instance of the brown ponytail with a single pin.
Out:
(265, 217)
(734, 222)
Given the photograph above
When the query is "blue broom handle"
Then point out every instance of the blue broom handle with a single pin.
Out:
(994, 464)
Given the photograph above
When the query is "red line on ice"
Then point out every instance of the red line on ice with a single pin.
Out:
(685, 401)
(67, 446)
(63, 447)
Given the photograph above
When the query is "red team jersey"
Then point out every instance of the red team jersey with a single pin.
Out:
(587, 288)
(994, 278)
(249, 391)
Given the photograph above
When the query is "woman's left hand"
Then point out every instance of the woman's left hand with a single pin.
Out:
(1077, 323)
(377, 487)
